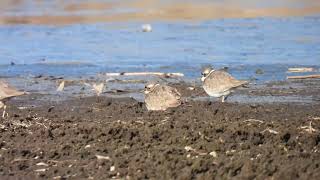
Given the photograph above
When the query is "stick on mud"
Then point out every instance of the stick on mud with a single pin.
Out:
(145, 74)
(302, 69)
(304, 77)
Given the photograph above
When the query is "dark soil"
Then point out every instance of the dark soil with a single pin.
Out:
(265, 141)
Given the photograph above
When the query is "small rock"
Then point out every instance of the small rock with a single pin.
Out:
(259, 71)
(112, 168)
(146, 28)
(230, 152)
(38, 76)
(213, 154)
(188, 148)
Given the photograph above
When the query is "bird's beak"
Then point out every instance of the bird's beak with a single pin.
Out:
(144, 91)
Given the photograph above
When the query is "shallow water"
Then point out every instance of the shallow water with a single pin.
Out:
(85, 48)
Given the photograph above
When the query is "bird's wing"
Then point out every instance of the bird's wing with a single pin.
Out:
(170, 96)
(7, 91)
(162, 97)
(174, 92)
(222, 81)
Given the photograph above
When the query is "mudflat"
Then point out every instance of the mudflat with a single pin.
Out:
(103, 137)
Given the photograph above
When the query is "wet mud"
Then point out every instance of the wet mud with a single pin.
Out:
(102, 138)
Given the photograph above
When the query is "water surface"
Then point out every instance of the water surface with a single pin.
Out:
(271, 36)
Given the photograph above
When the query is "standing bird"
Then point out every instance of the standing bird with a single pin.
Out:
(218, 83)
(161, 97)
(7, 92)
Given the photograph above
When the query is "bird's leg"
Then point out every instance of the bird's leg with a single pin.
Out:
(224, 98)
(4, 111)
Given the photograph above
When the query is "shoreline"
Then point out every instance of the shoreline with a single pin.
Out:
(101, 137)
(285, 91)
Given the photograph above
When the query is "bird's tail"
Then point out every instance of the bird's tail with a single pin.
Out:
(244, 83)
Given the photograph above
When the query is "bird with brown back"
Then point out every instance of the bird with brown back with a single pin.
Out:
(7, 92)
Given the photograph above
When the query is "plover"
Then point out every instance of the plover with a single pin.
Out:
(161, 97)
(219, 83)
(7, 92)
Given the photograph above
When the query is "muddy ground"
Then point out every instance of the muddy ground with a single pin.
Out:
(103, 138)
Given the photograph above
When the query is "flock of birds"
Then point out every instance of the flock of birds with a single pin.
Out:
(159, 97)
(216, 83)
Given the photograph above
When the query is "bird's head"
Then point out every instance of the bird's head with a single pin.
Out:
(149, 88)
(206, 71)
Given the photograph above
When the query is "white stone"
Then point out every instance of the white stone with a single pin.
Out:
(213, 154)
(112, 168)
(146, 28)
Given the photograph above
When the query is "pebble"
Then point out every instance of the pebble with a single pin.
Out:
(146, 28)
(112, 168)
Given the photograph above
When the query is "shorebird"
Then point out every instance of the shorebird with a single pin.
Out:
(161, 97)
(7, 92)
(218, 83)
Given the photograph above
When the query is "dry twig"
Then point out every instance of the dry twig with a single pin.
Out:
(309, 128)
(145, 74)
(270, 131)
(304, 77)
(302, 69)
(254, 120)
(102, 157)
(190, 149)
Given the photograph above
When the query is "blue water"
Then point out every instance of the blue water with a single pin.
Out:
(243, 45)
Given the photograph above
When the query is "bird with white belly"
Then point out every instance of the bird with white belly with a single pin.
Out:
(219, 83)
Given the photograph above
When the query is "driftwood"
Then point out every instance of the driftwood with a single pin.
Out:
(304, 77)
(302, 69)
(145, 74)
